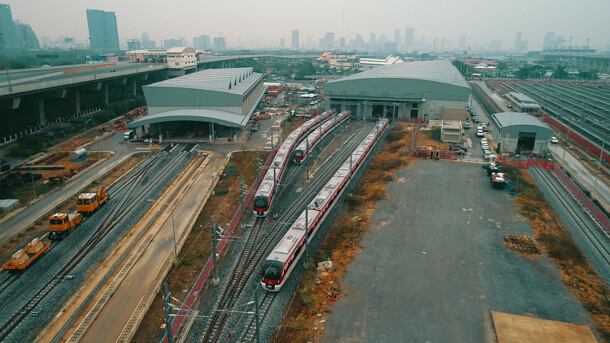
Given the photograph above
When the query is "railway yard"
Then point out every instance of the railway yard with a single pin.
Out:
(408, 247)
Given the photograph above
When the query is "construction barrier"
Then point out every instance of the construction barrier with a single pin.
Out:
(185, 309)
(575, 136)
(526, 163)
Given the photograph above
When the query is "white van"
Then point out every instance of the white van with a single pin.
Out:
(128, 135)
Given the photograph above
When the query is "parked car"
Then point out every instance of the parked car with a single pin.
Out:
(480, 133)
(457, 147)
(485, 129)
(484, 140)
(485, 146)
(554, 140)
(476, 120)
(466, 126)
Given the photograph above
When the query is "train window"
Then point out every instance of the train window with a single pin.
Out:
(53, 222)
(87, 202)
(79, 202)
(260, 202)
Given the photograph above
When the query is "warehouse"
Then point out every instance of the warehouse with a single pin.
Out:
(213, 104)
(519, 132)
(411, 90)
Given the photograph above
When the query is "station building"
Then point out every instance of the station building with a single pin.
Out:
(211, 104)
(426, 90)
(514, 132)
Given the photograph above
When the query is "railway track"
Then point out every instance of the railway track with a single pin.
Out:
(599, 244)
(244, 267)
(121, 208)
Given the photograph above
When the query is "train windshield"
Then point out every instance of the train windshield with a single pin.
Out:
(298, 153)
(54, 222)
(79, 202)
(260, 201)
(272, 270)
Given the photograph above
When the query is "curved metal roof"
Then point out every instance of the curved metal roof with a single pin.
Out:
(438, 71)
(505, 119)
(204, 115)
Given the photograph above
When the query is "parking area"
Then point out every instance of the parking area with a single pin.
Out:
(433, 265)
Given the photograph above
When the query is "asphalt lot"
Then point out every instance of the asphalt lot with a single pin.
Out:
(433, 266)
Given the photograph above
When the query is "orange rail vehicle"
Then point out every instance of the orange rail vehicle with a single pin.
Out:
(24, 257)
(61, 224)
(87, 203)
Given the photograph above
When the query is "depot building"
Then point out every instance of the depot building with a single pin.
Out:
(427, 90)
(519, 132)
(209, 105)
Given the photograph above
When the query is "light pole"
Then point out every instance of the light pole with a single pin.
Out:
(173, 227)
(6, 65)
(92, 59)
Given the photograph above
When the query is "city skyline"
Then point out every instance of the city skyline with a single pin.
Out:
(463, 19)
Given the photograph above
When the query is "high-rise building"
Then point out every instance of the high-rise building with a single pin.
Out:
(103, 32)
(342, 42)
(462, 43)
(202, 42)
(495, 45)
(145, 41)
(134, 44)
(373, 42)
(359, 42)
(8, 37)
(219, 44)
(25, 36)
(282, 43)
(295, 39)
(549, 41)
(518, 42)
(172, 43)
(329, 41)
(409, 37)
(397, 38)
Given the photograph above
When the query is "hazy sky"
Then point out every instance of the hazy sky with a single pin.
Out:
(243, 22)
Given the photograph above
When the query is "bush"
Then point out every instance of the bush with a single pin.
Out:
(564, 248)
(27, 146)
(435, 133)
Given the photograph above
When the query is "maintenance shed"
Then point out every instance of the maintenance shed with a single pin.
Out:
(411, 90)
(213, 103)
(518, 132)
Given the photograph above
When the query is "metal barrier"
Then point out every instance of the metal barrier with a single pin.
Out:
(585, 200)
(182, 314)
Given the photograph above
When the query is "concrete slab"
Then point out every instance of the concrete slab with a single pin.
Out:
(512, 328)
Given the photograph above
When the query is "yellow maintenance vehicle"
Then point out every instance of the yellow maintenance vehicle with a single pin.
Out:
(61, 224)
(24, 257)
(87, 203)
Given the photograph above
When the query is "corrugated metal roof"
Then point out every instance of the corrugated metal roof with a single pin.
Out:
(522, 98)
(438, 71)
(506, 119)
(229, 80)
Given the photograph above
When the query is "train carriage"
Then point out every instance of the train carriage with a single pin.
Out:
(278, 266)
(300, 153)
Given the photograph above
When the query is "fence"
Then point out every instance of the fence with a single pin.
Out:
(575, 136)
(209, 265)
(586, 201)
(525, 163)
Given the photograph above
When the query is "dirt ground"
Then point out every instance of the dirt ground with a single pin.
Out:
(42, 227)
(198, 248)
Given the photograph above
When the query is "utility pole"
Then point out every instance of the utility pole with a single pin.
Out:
(216, 279)
(241, 179)
(307, 158)
(168, 311)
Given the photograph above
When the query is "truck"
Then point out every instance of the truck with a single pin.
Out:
(24, 257)
(87, 203)
(61, 224)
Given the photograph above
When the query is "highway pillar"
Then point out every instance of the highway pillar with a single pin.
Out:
(76, 100)
(135, 88)
(41, 111)
(106, 94)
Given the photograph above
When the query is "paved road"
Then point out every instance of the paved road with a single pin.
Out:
(14, 224)
(433, 266)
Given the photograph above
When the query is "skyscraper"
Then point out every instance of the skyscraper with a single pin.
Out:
(26, 36)
(549, 41)
(103, 31)
(462, 43)
(282, 43)
(518, 42)
(7, 28)
(134, 44)
(219, 44)
(409, 37)
(397, 38)
(145, 41)
(202, 42)
(295, 39)
(329, 41)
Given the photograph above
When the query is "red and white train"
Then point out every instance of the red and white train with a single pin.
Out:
(265, 193)
(279, 264)
(300, 153)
